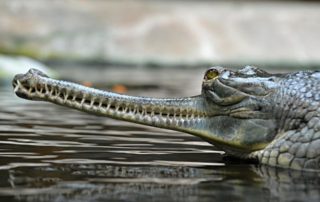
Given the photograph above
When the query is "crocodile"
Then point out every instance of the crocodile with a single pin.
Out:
(248, 113)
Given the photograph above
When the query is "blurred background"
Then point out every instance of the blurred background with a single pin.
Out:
(121, 37)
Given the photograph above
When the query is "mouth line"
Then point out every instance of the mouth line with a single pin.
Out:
(81, 100)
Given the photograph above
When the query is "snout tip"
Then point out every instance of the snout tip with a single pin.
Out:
(17, 86)
(21, 82)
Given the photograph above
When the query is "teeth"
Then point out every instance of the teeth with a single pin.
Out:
(36, 88)
(51, 91)
(46, 87)
(17, 86)
(91, 103)
(65, 97)
(107, 105)
(82, 101)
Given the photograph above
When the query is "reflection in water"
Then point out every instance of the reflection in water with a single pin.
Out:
(49, 153)
(135, 183)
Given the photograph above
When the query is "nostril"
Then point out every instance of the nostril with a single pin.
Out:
(37, 72)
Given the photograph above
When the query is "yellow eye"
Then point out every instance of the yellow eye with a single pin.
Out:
(211, 74)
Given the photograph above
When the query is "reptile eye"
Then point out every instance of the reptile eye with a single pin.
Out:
(211, 74)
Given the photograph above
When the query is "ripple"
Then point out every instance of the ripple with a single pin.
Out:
(17, 165)
(45, 143)
(26, 191)
(153, 163)
(163, 181)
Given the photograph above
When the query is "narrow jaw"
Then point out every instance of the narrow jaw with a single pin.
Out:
(177, 114)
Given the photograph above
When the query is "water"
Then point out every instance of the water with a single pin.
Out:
(50, 153)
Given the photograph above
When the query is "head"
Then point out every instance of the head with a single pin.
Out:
(240, 116)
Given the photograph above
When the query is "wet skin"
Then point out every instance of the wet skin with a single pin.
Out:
(249, 113)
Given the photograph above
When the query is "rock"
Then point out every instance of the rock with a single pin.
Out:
(10, 66)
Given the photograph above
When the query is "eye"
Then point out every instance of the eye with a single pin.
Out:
(211, 74)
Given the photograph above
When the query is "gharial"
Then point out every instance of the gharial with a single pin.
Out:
(249, 113)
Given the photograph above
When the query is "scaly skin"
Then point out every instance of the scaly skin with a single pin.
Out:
(247, 113)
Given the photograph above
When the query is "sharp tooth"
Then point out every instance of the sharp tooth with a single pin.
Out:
(125, 109)
(192, 114)
(50, 92)
(91, 103)
(135, 111)
(17, 86)
(46, 87)
(65, 96)
(108, 106)
(83, 99)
